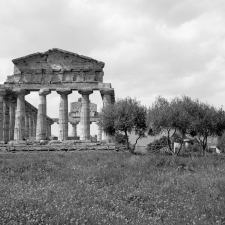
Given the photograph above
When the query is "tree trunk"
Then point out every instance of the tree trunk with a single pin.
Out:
(204, 145)
(169, 143)
(132, 150)
(181, 144)
(127, 140)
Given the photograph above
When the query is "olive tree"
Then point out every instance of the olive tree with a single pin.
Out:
(207, 122)
(125, 116)
(161, 117)
(185, 117)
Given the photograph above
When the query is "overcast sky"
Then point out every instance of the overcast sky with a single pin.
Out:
(150, 47)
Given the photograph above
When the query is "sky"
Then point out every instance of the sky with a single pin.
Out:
(150, 47)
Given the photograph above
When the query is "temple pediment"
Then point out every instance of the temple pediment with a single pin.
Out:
(56, 66)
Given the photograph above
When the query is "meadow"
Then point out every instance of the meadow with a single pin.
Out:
(109, 187)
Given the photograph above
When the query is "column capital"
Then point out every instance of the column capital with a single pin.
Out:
(33, 112)
(22, 92)
(74, 123)
(85, 91)
(64, 91)
(44, 92)
(11, 97)
(107, 91)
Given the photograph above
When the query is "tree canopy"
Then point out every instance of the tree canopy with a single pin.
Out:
(124, 116)
(185, 117)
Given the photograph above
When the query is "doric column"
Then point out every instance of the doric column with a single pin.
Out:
(26, 132)
(6, 119)
(30, 118)
(49, 123)
(107, 97)
(85, 114)
(20, 115)
(63, 113)
(12, 108)
(41, 117)
(2, 93)
(47, 128)
(34, 122)
(74, 129)
(50, 128)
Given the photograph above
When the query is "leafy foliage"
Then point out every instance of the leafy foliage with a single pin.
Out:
(221, 143)
(120, 139)
(185, 117)
(125, 116)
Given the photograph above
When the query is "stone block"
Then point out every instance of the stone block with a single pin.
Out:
(89, 78)
(99, 76)
(46, 78)
(68, 77)
(27, 71)
(48, 71)
(26, 78)
(17, 78)
(36, 78)
(38, 71)
(10, 79)
(80, 77)
(54, 142)
(57, 78)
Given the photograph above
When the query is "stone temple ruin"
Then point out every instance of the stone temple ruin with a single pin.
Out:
(54, 70)
(75, 117)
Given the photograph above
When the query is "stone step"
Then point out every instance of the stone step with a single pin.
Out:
(33, 148)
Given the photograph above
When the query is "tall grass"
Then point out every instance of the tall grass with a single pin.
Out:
(111, 188)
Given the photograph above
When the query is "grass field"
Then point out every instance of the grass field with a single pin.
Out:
(96, 187)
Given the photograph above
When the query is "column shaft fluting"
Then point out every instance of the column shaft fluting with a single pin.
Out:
(74, 129)
(2, 92)
(41, 117)
(34, 119)
(107, 99)
(12, 108)
(20, 116)
(85, 114)
(63, 114)
(50, 129)
(26, 134)
(6, 120)
(30, 124)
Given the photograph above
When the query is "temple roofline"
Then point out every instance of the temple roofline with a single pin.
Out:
(60, 50)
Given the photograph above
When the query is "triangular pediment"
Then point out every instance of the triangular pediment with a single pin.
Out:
(55, 60)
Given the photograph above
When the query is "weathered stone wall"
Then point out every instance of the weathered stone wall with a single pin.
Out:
(56, 66)
(75, 109)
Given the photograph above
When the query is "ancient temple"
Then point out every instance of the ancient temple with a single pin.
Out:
(54, 70)
(75, 116)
